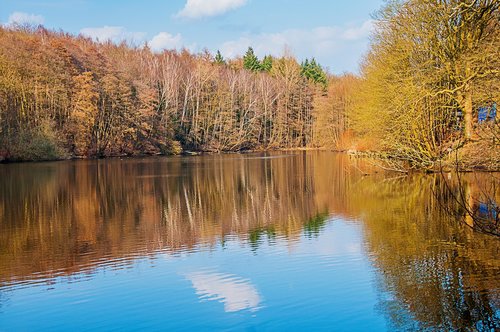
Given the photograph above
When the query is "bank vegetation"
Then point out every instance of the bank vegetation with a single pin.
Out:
(431, 84)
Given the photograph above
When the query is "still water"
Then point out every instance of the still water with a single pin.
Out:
(283, 241)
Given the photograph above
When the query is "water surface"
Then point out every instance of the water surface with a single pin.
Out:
(282, 241)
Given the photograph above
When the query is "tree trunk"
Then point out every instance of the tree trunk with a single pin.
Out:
(468, 114)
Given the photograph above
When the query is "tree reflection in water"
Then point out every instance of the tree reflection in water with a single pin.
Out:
(433, 270)
(439, 273)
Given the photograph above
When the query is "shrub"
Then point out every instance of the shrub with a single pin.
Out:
(36, 145)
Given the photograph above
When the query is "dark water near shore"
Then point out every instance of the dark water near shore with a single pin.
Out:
(282, 241)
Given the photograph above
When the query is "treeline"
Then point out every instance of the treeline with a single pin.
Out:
(431, 84)
(62, 96)
(427, 94)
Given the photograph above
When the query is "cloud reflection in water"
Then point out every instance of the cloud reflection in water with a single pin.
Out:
(235, 292)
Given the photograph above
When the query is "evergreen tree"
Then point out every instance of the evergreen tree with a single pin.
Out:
(304, 67)
(267, 63)
(314, 72)
(219, 59)
(250, 61)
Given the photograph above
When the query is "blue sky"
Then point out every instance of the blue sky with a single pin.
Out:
(335, 32)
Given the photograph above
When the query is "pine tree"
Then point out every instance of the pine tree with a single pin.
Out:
(219, 59)
(250, 61)
(304, 68)
(267, 63)
(313, 71)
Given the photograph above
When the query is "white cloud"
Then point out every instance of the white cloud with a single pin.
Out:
(165, 40)
(113, 33)
(117, 34)
(234, 292)
(323, 43)
(19, 18)
(205, 8)
(355, 33)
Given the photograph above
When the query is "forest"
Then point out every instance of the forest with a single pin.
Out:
(65, 96)
(426, 94)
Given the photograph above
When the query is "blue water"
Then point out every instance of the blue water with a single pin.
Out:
(262, 242)
(316, 283)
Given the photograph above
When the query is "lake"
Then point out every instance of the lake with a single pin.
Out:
(265, 242)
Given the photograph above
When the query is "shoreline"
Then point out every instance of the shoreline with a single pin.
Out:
(445, 167)
(183, 153)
